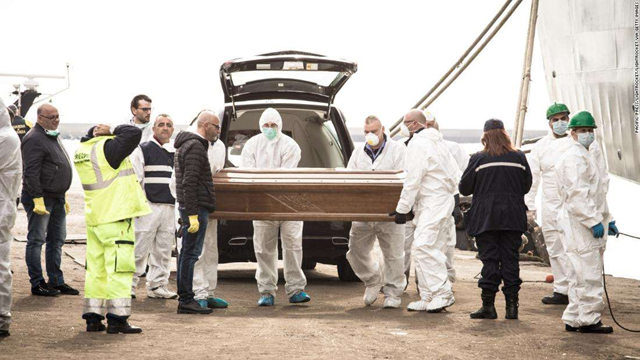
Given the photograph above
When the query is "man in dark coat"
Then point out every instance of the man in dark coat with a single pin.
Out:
(46, 178)
(196, 199)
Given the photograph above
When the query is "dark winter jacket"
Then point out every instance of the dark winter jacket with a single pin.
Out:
(117, 149)
(21, 126)
(498, 185)
(194, 182)
(46, 165)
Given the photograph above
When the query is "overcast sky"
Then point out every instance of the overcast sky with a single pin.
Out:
(172, 51)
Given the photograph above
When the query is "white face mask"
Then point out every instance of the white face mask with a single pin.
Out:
(52, 133)
(560, 127)
(372, 139)
(404, 130)
(586, 138)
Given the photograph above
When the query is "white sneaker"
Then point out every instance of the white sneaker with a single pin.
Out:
(371, 295)
(392, 303)
(161, 292)
(440, 303)
(420, 305)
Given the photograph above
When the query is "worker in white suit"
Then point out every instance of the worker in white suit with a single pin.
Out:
(379, 153)
(429, 189)
(10, 179)
(462, 159)
(542, 159)
(585, 222)
(271, 149)
(152, 162)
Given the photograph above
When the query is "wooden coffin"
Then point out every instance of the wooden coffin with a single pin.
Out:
(307, 194)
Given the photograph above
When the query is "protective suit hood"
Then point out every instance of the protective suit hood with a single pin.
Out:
(431, 134)
(5, 120)
(271, 115)
(10, 163)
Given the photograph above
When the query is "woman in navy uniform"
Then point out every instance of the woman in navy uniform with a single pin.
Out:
(498, 177)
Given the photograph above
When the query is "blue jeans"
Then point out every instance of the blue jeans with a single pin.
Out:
(189, 254)
(50, 229)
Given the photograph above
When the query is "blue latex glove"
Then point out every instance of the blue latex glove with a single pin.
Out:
(613, 229)
(598, 231)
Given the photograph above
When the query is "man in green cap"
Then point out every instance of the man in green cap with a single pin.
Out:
(542, 160)
(583, 219)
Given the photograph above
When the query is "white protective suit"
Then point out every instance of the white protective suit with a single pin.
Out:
(281, 152)
(155, 232)
(205, 272)
(147, 130)
(390, 235)
(432, 180)
(462, 159)
(542, 159)
(10, 178)
(583, 197)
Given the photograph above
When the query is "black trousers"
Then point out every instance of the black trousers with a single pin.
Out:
(498, 251)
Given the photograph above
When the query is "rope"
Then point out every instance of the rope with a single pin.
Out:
(459, 66)
(604, 283)
(627, 235)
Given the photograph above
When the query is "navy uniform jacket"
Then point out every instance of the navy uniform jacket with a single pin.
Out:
(498, 185)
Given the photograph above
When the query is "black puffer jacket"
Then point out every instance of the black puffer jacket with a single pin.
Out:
(194, 182)
(498, 185)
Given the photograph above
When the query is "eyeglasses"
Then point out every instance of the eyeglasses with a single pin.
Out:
(56, 117)
(216, 126)
(145, 109)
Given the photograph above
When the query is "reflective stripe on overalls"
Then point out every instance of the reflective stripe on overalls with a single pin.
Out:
(100, 183)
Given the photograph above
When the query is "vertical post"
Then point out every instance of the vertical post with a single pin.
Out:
(518, 128)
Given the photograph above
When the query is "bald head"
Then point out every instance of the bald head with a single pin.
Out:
(48, 117)
(208, 125)
(415, 115)
(45, 109)
(206, 116)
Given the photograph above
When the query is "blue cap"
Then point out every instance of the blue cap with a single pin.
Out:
(493, 124)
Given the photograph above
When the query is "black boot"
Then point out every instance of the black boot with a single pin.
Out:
(192, 307)
(123, 328)
(512, 306)
(94, 322)
(95, 326)
(596, 329)
(120, 325)
(570, 328)
(488, 310)
(556, 299)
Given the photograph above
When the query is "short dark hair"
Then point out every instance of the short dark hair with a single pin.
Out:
(137, 98)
